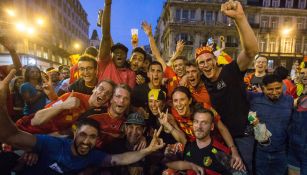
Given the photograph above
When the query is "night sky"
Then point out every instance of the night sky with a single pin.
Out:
(126, 14)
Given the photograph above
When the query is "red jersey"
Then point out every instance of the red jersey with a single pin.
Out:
(62, 121)
(108, 70)
(110, 128)
(173, 80)
(200, 94)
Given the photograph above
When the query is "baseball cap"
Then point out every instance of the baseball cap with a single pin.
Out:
(157, 94)
(119, 46)
(202, 50)
(135, 118)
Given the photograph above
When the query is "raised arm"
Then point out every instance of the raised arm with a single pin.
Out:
(169, 123)
(179, 49)
(8, 131)
(45, 115)
(15, 58)
(106, 41)
(155, 51)
(234, 10)
(132, 157)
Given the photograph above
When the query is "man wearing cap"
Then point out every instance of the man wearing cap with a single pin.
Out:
(225, 84)
(113, 66)
(134, 130)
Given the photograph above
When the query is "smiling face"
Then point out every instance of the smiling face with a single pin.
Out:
(119, 57)
(120, 101)
(273, 90)
(85, 139)
(87, 71)
(134, 133)
(261, 64)
(101, 94)
(193, 75)
(207, 63)
(181, 103)
(179, 67)
(136, 61)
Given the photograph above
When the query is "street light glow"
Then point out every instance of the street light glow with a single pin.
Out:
(286, 31)
(10, 12)
(40, 21)
(30, 30)
(77, 46)
(21, 27)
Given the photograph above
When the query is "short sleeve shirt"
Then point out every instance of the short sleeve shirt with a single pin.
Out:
(56, 157)
(108, 70)
(62, 121)
(110, 128)
(79, 86)
(229, 99)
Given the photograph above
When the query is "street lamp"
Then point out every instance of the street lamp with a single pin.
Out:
(10, 12)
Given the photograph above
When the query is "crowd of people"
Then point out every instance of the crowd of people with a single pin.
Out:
(111, 115)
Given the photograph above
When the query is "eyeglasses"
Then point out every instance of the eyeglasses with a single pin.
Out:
(83, 69)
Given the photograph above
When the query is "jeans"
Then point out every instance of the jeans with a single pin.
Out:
(271, 163)
(245, 147)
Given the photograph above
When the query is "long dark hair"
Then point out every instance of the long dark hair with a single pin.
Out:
(187, 92)
(27, 73)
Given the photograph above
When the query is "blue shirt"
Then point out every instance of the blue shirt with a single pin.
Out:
(276, 116)
(56, 157)
(38, 105)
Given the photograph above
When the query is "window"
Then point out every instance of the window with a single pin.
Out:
(185, 14)
(264, 23)
(192, 14)
(209, 17)
(301, 4)
(178, 14)
(266, 3)
(300, 23)
(272, 46)
(288, 21)
(251, 18)
(202, 15)
(274, 23)
(298, 47)
(275, 3)
(287, 46)
(289, 4)
(262, 46)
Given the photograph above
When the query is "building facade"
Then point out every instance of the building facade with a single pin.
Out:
(64, 26)
(280, 27)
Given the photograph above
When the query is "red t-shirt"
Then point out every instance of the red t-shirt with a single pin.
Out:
(62, 121)
(200, 94)
(110, 128)
(173, 80)
(108, 70)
